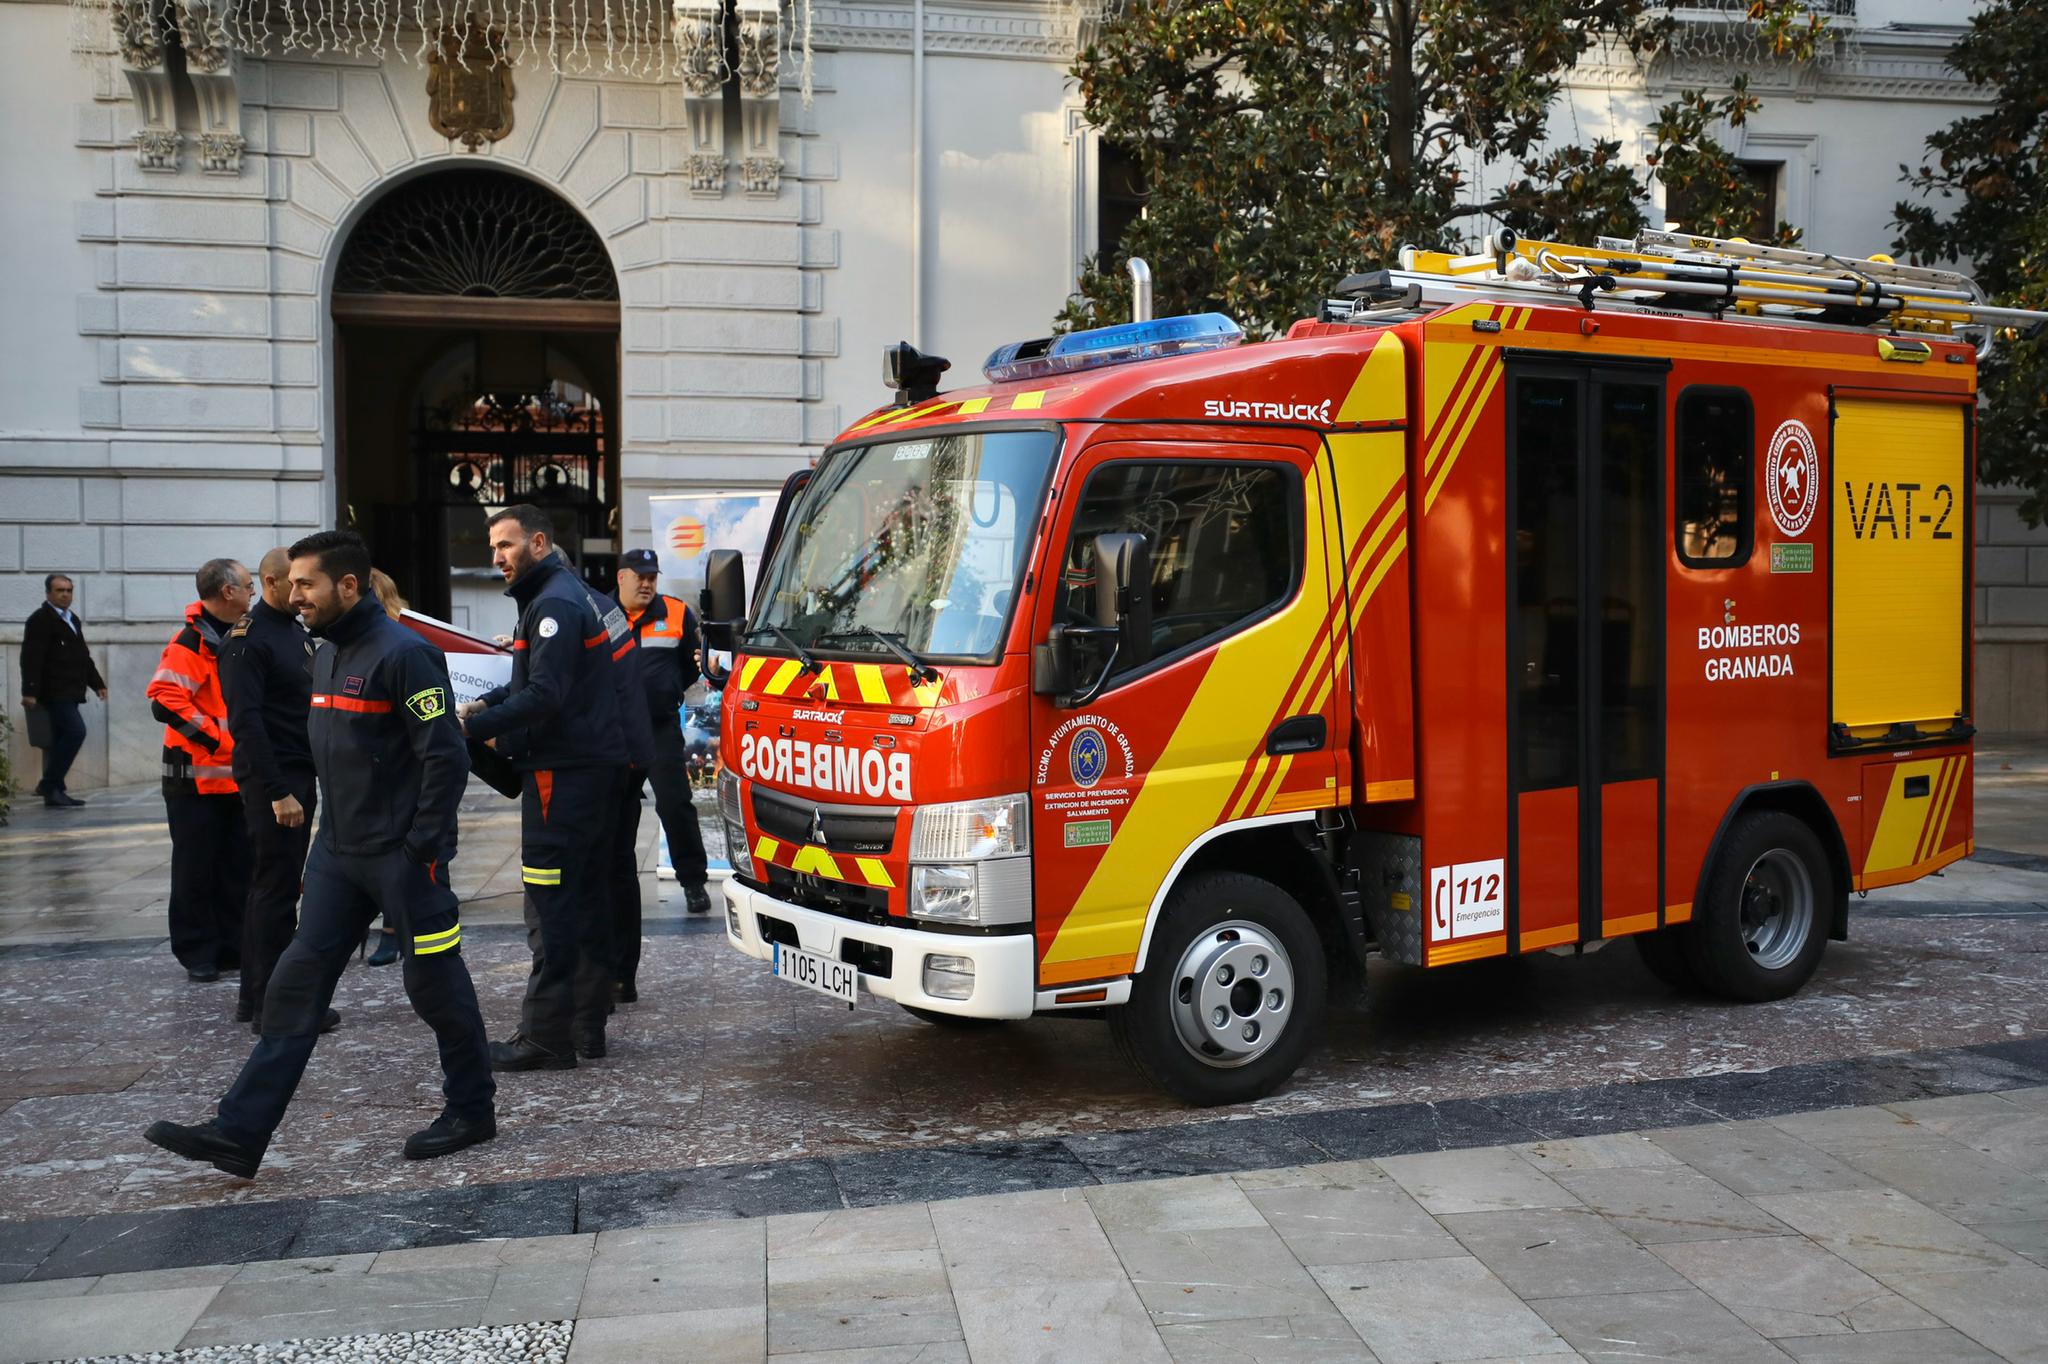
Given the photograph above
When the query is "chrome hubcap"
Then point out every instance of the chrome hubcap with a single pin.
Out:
(1777, 909)
(1233, 992)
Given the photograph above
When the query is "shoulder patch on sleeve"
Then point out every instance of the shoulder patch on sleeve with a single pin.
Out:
(548, 626)
(241, 628)
(428, 703)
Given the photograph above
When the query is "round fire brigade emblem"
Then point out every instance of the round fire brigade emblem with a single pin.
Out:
(1088, 756)
(548, 626)
(1792, 478)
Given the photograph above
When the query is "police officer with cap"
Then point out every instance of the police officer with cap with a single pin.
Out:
(558, 723)
(392, 767)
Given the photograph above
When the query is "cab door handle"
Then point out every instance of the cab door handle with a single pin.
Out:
(1302, 734)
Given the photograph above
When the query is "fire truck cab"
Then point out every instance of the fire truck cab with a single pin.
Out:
(1519, 602)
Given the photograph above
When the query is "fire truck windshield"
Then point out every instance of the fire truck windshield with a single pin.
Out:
(921, 540)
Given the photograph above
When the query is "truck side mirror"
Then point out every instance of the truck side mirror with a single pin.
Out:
(1123, 593)
(722, 604)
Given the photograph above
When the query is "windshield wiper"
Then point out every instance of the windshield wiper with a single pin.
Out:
(920, 671)
(804, 657)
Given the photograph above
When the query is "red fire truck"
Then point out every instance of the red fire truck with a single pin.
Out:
(1521, 601)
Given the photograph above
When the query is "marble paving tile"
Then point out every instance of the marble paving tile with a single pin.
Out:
(1788, 1286)
(713, 1335)
(1656, 1205)
(955, 1172)
(1205, 1148)
(1684, 1325)
(1013, 1240)
(574, 1249)
(1325, 1338)
(119, 1243)
(1889, 1347)
(1756, 1158)
(1333, 1174)
(1353, 1226)
(1958, 1181)
(2028, 1238)
(1487, 1180)
(1886, 1234)
(882, 1297)
(852, 1231)
(1559, 1252)
(922, 1352)
(2001, 1309)
(1420, 1311)
(1614, 1151)
(1098, 1321)
(341, 1305)
(1187, 1276)
(124, 1323)
(1195, 1203)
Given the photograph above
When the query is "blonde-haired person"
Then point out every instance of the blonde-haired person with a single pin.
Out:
(387, 593)
(394, 605)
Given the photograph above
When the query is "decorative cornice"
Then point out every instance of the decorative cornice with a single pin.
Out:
(1882, 64)
(1028, 32)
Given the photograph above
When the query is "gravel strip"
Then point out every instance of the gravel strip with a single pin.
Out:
(533, 1342)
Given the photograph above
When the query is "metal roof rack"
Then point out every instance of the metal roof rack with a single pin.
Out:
(1708, 276)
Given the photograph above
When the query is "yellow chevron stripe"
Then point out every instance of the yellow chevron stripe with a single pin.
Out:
(1493, 369)
(765, 848)
(873, 690)
(749, 670)
(877, 875)
(1026, 402)
(1948, 806)
(974, 407)
(785, 673)
(816, 861)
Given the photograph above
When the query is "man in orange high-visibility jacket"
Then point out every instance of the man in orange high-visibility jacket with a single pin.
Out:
(209, 861)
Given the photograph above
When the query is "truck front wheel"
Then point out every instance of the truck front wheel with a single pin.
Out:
(1760, 933)
(1233, 995)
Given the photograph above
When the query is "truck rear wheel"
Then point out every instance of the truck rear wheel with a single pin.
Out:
(1760, 932)
(1233, 996)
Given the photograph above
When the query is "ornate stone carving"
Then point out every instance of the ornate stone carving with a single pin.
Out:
(138, 32)
(760, 54)
(203, 36)
(707, 173)
(761, 175)
(156, 149)
(221, 153)
(469, 88)
(700, 45)
(697, 28)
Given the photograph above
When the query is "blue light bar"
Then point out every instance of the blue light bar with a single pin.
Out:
(1116, 345)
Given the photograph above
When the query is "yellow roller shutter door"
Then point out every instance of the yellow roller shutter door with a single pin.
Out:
(1899, 534)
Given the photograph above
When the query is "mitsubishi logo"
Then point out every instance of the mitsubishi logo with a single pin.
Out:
(818, 827)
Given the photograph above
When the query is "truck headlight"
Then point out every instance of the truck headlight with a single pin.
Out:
(736, 851)
(971, 830)
(983, 893)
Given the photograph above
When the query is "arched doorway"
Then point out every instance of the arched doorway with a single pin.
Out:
(477, 324)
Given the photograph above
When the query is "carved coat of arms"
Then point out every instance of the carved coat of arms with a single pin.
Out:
(469, 88)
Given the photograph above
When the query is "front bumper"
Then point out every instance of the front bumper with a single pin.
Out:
(1005, 967)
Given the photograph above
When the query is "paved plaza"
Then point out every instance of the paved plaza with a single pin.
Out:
(1550, 1158)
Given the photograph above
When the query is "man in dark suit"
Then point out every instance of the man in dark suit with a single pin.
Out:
(56, 672)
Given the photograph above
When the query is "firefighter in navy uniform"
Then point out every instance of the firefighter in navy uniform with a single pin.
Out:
(392, 767)
(558, 723)
(667, 636)
(266, 674)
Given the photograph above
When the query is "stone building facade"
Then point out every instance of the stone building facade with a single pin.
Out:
(185, 373)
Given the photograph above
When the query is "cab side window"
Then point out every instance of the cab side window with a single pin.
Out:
(1226, 543)
(1715, 483)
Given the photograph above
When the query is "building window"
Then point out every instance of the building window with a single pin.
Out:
(1681, 213)
(1716, 443)
(1119, 199)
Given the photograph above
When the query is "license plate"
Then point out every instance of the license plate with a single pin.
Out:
(815, 972)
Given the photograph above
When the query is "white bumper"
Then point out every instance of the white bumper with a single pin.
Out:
(1005, 968)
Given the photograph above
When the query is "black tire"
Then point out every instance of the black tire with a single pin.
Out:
(1146, 1030)
(1767, 859)
(1662, 951)
(942, 1020)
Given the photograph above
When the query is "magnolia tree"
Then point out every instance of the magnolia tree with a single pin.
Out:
(1283, 144)
(1982, 199)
